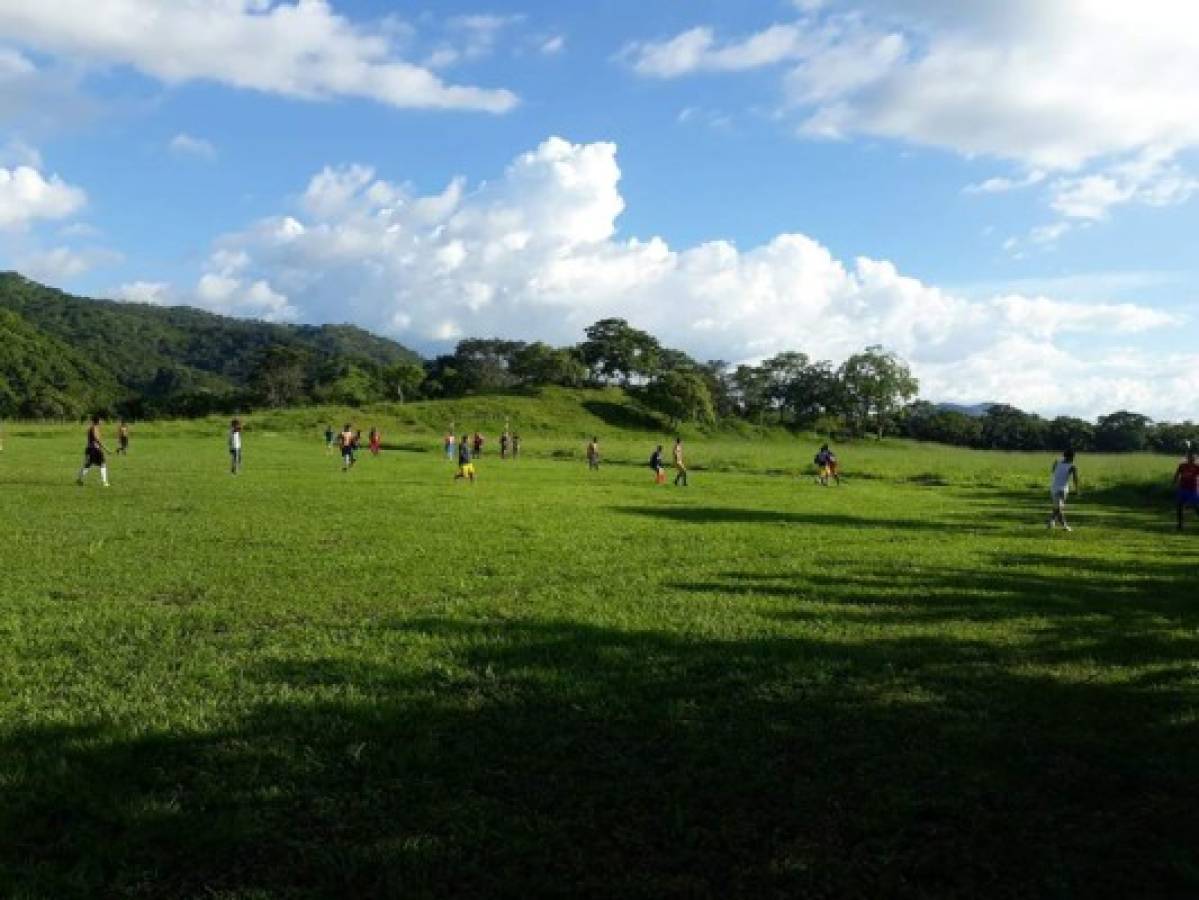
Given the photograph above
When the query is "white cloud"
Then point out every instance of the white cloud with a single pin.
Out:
(1002, 185)
(469, 38)
(26, 195)
(184, 144)
(1097, 92)
(153, 293)
(1152, 178)
(300, 49)
(224, 290)
(59, 265)
(18, 153)
(534, 254)
(696, 50)
(553, 46)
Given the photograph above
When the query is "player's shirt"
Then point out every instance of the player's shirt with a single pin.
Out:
(463, 454)
(346, 440)
(1188, 477)
(93, 438)
(655, 460)
(678, 456)
(1061, 476)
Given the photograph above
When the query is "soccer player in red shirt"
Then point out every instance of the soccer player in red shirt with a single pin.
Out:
(1186, 477)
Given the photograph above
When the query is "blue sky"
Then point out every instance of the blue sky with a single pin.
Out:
(1003, 193)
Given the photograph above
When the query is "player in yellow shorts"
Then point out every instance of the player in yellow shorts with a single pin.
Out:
(466, 466)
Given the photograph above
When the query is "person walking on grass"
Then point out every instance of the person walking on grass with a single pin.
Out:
(466, 465)
(1186, 481)
(94, 454)
(329, 438)
(448, 445)
(593, 455)
(655, 463)
(515, 445)
(679, 465)
(478, 445)
(1062, 474)
(345, 442)
(505, 441)
(235, 446)
(376, 441)
(123, 439)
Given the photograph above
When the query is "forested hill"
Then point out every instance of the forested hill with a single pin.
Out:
(63, 356)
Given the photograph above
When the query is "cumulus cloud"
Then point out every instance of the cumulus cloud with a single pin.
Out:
(184, 144)
(26, 195)
(300, 49)
(153, 293)
(535, 254)
(1097, 91)
(59, 265)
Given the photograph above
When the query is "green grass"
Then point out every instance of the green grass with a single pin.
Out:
(301, 683)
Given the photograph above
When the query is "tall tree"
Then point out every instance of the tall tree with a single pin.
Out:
(280, 375)
(402, 380)
(539, 363)
(1122, 432)
(616, 351)
(681, 396)
(877, 383)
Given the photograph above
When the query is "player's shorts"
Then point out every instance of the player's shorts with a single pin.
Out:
(1059, 497)
(1188, 497)
(826, 471)
(466, 471)
(94, 456)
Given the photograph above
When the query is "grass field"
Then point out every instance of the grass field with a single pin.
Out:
(299, 683)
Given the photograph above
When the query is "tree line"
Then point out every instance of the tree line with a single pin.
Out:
(66, 357)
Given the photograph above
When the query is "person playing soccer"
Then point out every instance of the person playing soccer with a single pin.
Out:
(1186, 481)
(833, 466)
(478, 445)
(466, 466)
(826, 466)
(515, 445)
(655, 463)
(94, 454)
(679, 465)
(1062, 473)
(505, 440)
(376, 441)
(235, 446)
(329, 438)
(448, 445)
(345, 442)
(593, 455)
(123, 439)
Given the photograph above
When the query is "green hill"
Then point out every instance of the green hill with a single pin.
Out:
(41, 377)
(156, 355)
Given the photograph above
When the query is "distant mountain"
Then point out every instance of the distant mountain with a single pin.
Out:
(975, 411)
(139, 356)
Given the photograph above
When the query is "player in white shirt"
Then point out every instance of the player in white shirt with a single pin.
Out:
(235, 446)
(1062, 474)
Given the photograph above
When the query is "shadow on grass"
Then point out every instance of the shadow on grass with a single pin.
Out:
(540, 759)
(728, 515)
(623, 416)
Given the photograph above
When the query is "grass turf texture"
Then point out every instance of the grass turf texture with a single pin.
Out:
(561, 683)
